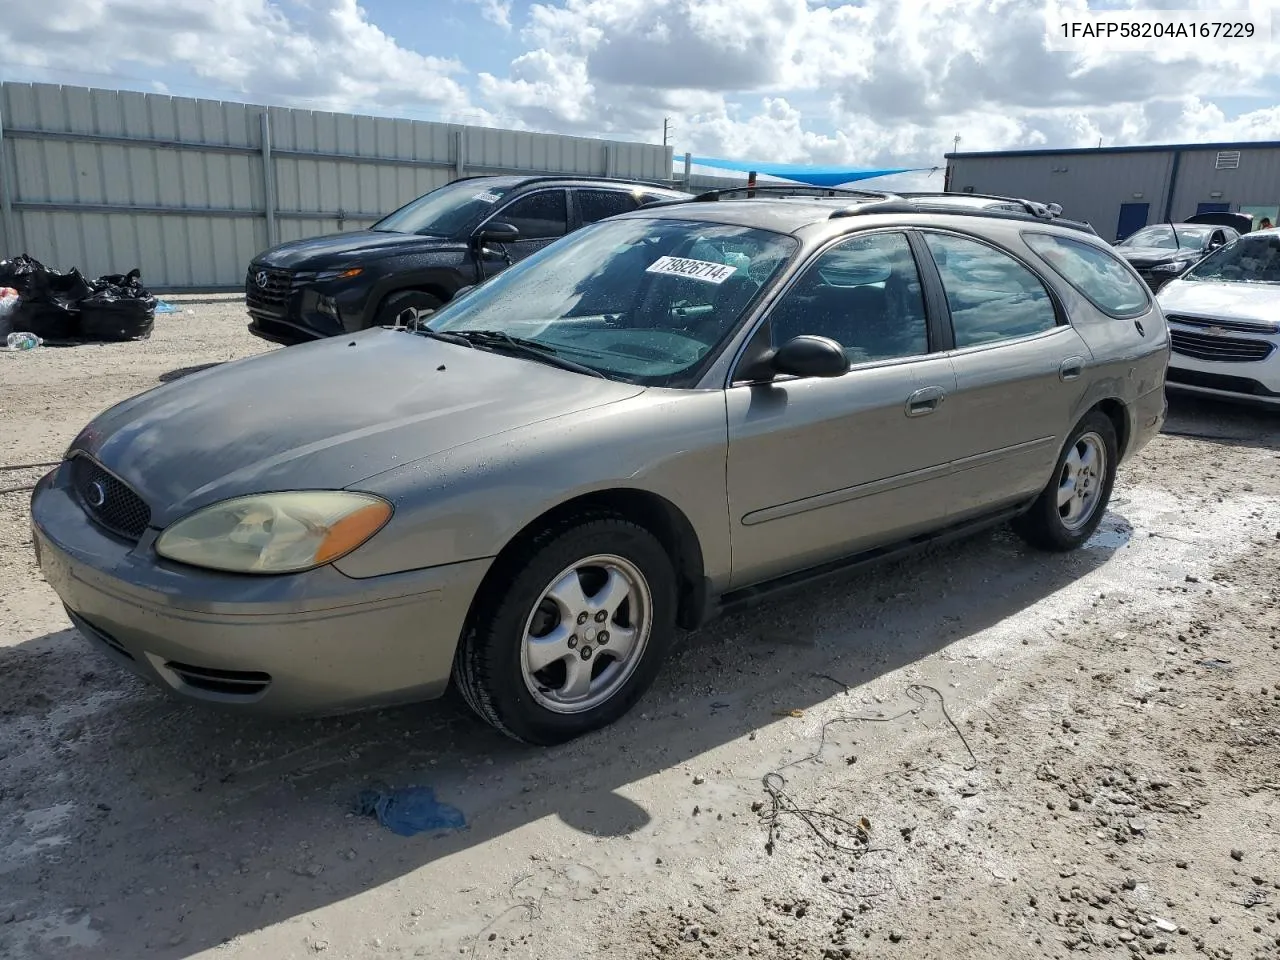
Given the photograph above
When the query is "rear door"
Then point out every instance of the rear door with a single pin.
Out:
(1019, 368)
(820, 468)
(598, 203)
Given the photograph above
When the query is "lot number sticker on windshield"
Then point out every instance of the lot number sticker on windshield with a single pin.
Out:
(487, 197)
(693, 269)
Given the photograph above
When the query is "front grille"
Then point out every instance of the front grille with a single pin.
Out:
(108, 500)
(267, 290)
(230, 683)
(1217, 381)
(1238, 326)
(1206, 346)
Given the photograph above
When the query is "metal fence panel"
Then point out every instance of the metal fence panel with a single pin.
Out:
(106, 180)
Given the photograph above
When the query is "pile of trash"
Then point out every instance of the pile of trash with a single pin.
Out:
(55, 306)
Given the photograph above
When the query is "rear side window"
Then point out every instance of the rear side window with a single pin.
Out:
(596, 205)
(1098, 274)
(991, 296)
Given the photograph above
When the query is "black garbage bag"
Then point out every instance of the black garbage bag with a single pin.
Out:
(119, 308)
(49, 306)
(18, 272)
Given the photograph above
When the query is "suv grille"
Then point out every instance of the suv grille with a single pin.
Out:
(1205, 346)
(267, 290)
(109, 501)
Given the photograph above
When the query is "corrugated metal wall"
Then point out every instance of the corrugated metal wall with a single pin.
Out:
(106, 180)
(1089, 187)
(1094, 186)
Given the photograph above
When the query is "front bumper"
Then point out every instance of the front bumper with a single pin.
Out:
(284, 306)
(311, 644)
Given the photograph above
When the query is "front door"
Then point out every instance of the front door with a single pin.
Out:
(1133, 217)
(820, 468)
(541, 217)
(1020, 373)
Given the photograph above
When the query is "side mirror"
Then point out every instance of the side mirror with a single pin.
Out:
(499, 231)
(803, 356)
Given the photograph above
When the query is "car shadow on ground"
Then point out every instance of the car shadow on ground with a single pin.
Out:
(1222, 421)
(175, 828)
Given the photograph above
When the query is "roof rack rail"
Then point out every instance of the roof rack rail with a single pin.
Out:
(793, 190)
(921, 205)
(1047, 211)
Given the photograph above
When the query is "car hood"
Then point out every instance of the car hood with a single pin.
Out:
(325, 415)
(1250, 302)
(342, 249)
(1151, 255)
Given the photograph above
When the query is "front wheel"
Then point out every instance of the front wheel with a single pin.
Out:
(406, 306)
(571, 631)
(1072, 505)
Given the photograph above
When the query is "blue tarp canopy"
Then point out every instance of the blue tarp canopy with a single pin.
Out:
(799, 172)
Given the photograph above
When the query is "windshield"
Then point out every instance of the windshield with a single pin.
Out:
(641, 300)
(445, 211)
(1162, 237)
(1250, 259)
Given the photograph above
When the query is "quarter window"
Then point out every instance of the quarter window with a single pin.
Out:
(538, 216)
(596, 205)
(1097, 273)
(864, 294)
(991, 296)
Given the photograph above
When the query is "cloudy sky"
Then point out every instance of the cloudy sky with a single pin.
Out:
(865, 82)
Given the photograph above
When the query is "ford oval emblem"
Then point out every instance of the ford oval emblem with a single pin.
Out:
(96, 494)
(262, 277)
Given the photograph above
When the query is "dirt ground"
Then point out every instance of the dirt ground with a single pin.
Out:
(979, 753)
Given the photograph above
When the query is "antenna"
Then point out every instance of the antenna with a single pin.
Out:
(666, 130)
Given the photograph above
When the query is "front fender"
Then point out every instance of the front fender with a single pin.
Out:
(469, 502)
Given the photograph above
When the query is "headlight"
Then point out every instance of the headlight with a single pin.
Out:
(1176, 267)
(340, 274)
(275, 532)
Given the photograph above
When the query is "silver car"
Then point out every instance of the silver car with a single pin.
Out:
(662, 416)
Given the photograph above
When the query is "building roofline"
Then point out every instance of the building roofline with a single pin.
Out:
(1081, 151)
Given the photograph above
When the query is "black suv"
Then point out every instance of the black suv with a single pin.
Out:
(421, 255)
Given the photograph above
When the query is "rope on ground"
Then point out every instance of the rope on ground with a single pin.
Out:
(29, 466)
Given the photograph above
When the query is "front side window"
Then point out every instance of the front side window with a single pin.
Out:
(596, 205)
(642, 300)
(863, 293)
(538, 216)
(1253, 258)
(1095, 272)
(991, 296)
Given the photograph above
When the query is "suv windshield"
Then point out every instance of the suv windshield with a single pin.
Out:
(1163, 238)
(445, 211)
(1250, 259)
(641, 300)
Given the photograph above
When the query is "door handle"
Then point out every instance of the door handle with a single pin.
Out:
(1071, 368)
(924, 401)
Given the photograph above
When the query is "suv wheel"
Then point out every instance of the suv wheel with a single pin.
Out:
(1071, 506)
(572, 633)
(398, 304)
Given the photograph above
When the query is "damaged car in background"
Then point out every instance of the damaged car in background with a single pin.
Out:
(416, 259)
(663, 416)
(1224, 322)
(1164, 250)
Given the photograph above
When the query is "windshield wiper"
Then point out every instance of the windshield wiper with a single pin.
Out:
(501, 342)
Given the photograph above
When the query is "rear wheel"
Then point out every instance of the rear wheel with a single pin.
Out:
(406, 306)
(1073, 503)
(571, 632)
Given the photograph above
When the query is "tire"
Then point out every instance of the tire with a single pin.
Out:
(1048, 526)
(398, 303)
(525, 688)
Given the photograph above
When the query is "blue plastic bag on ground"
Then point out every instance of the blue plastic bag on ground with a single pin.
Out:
(409, 810)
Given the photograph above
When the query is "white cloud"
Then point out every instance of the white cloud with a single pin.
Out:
(868, 82)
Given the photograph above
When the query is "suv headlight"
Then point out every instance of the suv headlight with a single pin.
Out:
(346, 274)
(275, 532)
(1176, 266)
